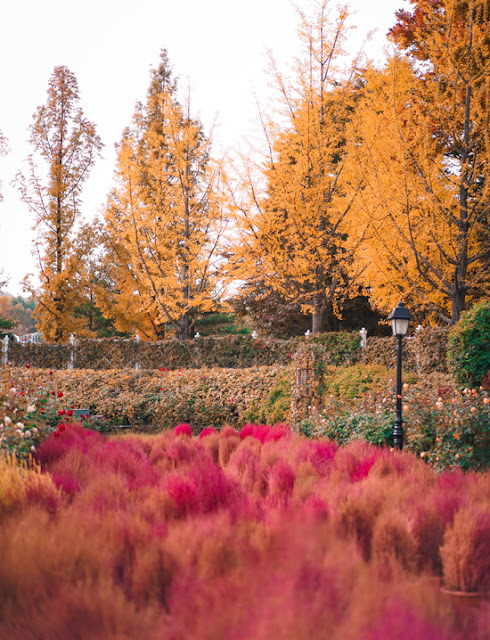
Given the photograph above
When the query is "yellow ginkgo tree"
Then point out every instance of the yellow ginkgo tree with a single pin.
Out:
(68, 146)
(294, 213)
(164, 219)
(425, 157)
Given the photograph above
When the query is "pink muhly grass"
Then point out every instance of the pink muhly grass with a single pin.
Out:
(226, 432)
(245, 463)
(74, 436)
(362, 469)
(355, 460)
(226, 447)
(183, 492)
(203, 488)
(183, 429)
(211, 444)
(315, 507)
(427, 529)
(392, 540)
(276, 432)
(398, 464)
(465, 552)
(183, 451)
(258, 431)
(66, 482)
(280, 480)
(448, 497)
(43, 492)
(126, 458)
(357, 514)
(404, 620)
(206, 432)
(320, 453)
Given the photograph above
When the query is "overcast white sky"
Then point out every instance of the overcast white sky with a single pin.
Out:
(218, 46)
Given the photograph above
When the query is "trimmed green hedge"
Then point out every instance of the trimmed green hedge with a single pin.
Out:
(469, 346)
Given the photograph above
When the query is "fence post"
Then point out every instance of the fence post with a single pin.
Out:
(5, 351)
(137, 363)
(363, 334)
(71, 357)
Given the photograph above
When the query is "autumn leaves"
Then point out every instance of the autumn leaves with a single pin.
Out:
(373, 180)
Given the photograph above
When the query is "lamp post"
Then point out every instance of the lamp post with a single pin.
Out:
(400, 319)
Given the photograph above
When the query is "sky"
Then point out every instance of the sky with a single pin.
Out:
(216, 47)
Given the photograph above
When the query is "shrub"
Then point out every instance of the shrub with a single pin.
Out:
(351, 382)
(466, 553)
(275, 406)
(444, 425)
(469, 346)
(20, 485)
(295, 538)
(30, 407)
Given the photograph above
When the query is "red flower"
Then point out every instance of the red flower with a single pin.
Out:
(27, 366)
(163, 369)
(69, 413)
(61, 412)
(50, 373)
(61, 427)
(60, 394)
(56, 434)
(53, 393)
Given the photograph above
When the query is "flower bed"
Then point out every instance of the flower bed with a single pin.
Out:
(258, 534)
(446, 426)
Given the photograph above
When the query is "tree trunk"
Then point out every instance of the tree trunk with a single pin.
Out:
(458, 304)
(183, 328)
(317, 317)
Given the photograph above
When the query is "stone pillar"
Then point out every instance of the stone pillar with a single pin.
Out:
(71, 356)
(5, 351)
(137, 363)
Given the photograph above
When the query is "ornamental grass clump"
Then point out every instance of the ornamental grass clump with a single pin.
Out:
(465, 552)
(157, 537)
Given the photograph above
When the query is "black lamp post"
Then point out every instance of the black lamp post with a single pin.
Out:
(400, 319)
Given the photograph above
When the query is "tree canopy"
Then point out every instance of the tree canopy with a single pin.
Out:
(164, 219)
(68, 145)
